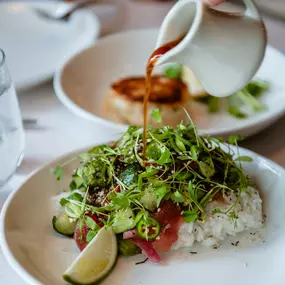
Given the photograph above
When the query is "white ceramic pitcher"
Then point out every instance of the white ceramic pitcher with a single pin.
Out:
(224, 50)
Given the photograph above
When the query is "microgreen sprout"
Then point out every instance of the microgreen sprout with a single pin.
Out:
(181, 166)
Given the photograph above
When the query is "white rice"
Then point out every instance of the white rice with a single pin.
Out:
(218, 226)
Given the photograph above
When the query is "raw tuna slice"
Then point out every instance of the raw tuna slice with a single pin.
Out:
(170, 219)
(81, 239)
(131, 234)
(147, 249)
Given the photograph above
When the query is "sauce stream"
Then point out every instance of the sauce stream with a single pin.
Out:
(149, 69)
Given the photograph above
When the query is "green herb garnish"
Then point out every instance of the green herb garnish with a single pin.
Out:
(213, 104)
(58, 172)
(247, 98)
(112, 184)
(173, 71)
(156, 116)
(236, 112)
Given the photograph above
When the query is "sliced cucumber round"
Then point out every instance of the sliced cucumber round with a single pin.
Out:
(64, 225)
(127, 247)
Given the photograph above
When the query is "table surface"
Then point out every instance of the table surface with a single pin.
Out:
(59, 131)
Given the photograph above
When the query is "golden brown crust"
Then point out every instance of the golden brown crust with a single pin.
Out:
(124, 102)
(164, 90)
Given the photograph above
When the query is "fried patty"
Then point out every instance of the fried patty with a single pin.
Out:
(163, 90)
(124, 103)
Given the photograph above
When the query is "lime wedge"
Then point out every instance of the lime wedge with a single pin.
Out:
(195, 88)
(95, 261)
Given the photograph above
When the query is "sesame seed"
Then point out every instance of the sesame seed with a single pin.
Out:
(168, 226)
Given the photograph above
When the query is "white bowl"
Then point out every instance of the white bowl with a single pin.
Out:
(82, 82)
(36, 47)
(40, 256)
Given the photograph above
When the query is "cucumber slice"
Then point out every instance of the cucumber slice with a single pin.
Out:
(127, 247)
(63, 225)
(124, 220)
(129, 175)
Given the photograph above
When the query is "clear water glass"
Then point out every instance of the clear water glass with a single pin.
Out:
(11, 126)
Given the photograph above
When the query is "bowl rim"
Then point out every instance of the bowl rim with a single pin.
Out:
(65, 99)
(16, 266)
(12, 260)
(81, 112)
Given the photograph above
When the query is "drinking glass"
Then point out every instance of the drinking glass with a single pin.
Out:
(11, 127)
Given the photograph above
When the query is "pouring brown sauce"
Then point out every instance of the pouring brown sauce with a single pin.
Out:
(149, 69)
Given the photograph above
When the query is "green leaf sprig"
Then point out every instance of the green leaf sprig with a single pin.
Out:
(181, 166)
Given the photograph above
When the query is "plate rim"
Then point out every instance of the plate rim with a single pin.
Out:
(81, 112)
(91, 34)
(7, 252)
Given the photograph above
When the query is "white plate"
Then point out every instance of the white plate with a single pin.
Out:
(35, 47)
(40, 256)
(82, 82)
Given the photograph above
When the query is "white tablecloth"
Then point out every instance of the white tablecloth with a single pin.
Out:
(61, 132)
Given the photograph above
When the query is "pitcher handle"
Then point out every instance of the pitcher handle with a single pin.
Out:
(251, 10)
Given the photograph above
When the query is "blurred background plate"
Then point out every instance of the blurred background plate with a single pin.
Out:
(35, 47)
(83, 82)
